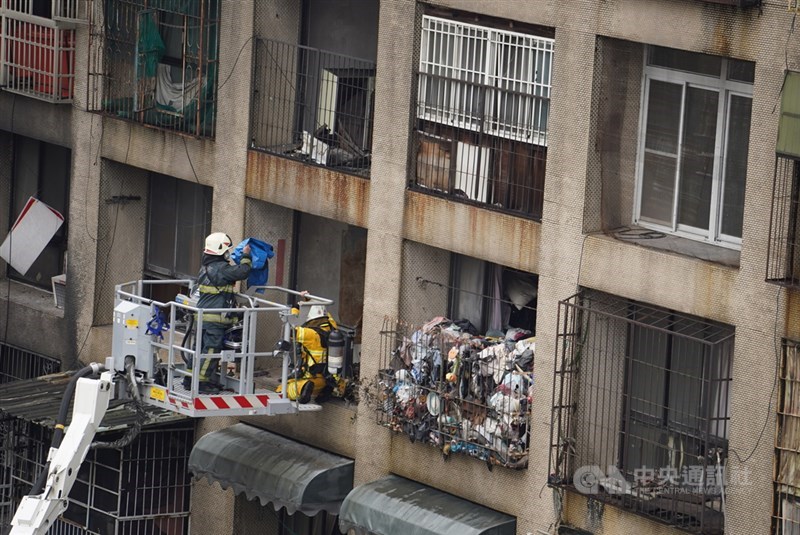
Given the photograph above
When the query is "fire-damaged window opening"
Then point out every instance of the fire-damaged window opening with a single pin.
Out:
(464, 385)
(693, 145)
(313, 105)
(156, 62)
(42, 170)
(786, 503)
(482, 111)
(143, 488)
(641, 409)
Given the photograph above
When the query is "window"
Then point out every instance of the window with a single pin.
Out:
(642, 404)
(492, 297)
(482, 113)
(158, 63)
(179, 220)
(675, 388)
(42, 170)
(693, 145)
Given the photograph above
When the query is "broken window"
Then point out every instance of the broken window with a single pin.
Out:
(313, 105)
(492, 297)
(483, 106)
(42, 170)
(158, 63)
(179, 219)
(693, 144)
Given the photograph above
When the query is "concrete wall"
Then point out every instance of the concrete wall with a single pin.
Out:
(588, 187)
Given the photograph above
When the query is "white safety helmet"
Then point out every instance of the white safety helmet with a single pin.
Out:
(218, 243)
(316, 311)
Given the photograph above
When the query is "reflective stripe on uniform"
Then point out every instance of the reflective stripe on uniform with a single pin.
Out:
(219, 318)
(215, 290)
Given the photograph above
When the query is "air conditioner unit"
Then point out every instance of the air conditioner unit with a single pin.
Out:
(345, 104)
(59, 283)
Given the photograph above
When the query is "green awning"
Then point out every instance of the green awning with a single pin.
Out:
(273, 469)
(789, 125)
(397, 505)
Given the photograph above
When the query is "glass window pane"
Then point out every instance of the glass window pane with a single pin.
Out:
(658, 188)
(686, 385)
(161, 234)
(741, 71)
(736, 165)
(682, 60)
(663, 116)
(648, 372)
(193, 218)
(697, 165)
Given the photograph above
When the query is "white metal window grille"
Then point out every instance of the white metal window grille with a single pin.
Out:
(485, 80)
(693, 144)
(37, 47)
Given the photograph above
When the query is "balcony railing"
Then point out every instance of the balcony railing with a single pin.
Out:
(155, 62)
(641, 410)
(783, 259)
(313, 105)
(37, 54)
(482, 144)
(458, 393)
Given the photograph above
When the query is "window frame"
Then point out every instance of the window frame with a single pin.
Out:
(489, 271)
(714, 372)
(155, 270)
(726, 89)
(60, 241)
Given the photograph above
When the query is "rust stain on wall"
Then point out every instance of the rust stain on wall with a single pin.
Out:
(792, 318)
(308, 188)
(472, 230)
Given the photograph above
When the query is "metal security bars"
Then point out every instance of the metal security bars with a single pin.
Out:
(786, 506)
(483, 105)
(17, 364)
(783, 258)
(313, 105)
(37, 52)
(641, 409)
(143, 488)
(459, 393)
(156, 62)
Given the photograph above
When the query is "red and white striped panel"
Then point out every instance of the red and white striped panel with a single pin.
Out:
(249, 401)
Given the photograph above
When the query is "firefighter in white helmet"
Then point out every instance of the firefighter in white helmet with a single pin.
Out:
(216, 285)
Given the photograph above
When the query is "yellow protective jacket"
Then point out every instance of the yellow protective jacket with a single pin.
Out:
(313, 337)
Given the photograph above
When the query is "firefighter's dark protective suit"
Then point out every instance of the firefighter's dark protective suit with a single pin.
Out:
(216, 285)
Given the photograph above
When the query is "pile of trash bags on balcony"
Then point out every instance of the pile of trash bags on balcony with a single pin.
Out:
(446, 385)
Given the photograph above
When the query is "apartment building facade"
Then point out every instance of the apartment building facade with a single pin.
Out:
(616, 178)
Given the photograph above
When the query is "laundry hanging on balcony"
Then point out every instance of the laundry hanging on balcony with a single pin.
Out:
(175, 65)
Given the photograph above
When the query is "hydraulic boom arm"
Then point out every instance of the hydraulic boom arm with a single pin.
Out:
(37, 513)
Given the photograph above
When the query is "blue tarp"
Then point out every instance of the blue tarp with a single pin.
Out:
(260, 253)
